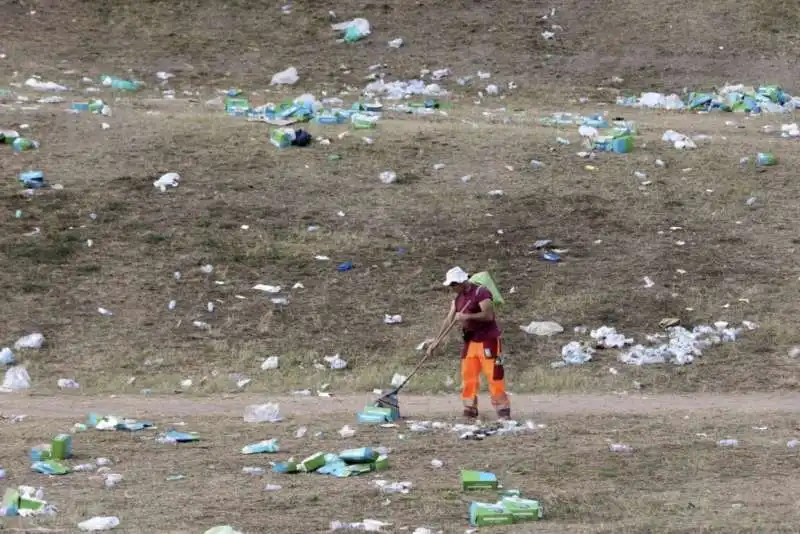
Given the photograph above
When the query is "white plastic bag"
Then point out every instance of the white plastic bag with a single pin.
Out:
(16, 379)
(262, 413)
(270, 363)
(356, 28)
(99, 523)
(170, 179)
(6, 356)
(31, 341)
(285, 77)
(542, 328)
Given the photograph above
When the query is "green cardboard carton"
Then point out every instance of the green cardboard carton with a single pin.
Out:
(61, 447)
(30, 503)
(359, 469)
(522, 509)
(381, 463)
(484, 514)
(313, 462)
(471, 480)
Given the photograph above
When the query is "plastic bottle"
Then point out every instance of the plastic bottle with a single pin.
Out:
(21, 144)
(728, 443)
(620, 447)
(257, 471)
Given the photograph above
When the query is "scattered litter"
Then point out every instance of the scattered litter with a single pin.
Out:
(392, 319)
(16, 379)
(393, 487)
(544, 328)
(285, 77)
(170, 179)
(574, 353)
(7, 356)
(728, 443)
(266, 446)
(396, 43)
(678, 140)
(683, 345)
(262, 413)
(388, 177)
(367, 525)
(31, 341)
(267, 288)
(347, 432)
(270, 363)
(99, 523)
(223, 529)
(354, 30)
(336, 362)
(620, 447)
(609, 338)
(67, 383)
(174, 437)
(38, 85)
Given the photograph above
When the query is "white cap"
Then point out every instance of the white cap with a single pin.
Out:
(456, 275)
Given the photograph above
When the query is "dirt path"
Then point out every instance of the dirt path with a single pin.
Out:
(525, 406)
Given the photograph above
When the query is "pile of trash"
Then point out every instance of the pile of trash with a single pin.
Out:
(598, 133)
(25, 501)
(347, 463)
(731, 98)
(478, 430)
(678, 345)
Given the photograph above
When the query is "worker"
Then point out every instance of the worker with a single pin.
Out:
(472, 308)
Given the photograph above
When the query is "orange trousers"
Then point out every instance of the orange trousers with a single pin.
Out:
(485, 357)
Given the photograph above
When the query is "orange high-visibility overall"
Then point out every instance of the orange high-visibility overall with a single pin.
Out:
(483, 357)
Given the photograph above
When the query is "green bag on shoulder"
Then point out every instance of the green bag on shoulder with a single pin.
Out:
(484, 279)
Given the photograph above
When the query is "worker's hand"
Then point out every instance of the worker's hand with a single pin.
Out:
(462, 317)
(431, 349)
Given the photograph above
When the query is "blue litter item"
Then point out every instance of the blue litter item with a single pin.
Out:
(551, 257)
(346, 266)
(80, 106)
(32, 179)
(270, 445)
(181, 437)
(50, 467)
(233, 92)
(358, 456)
(334, 466)
(134, 426)
(596, 121)
(329, 119)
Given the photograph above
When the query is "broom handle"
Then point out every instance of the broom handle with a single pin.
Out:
(424, 358)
